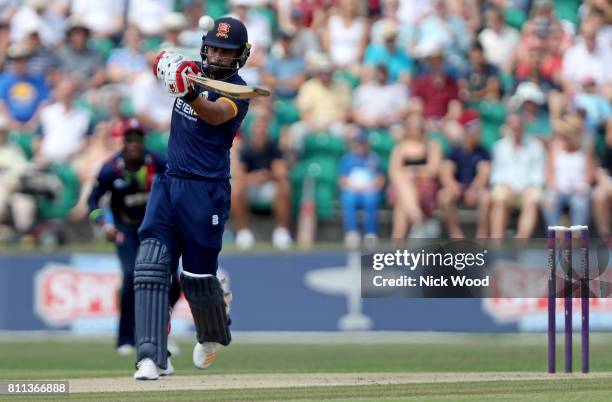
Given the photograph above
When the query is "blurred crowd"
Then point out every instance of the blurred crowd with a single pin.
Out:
(433, 110)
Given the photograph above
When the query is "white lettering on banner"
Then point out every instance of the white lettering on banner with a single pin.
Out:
(63, 294)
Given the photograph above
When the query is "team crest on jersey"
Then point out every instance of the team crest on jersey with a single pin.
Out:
(223, 30)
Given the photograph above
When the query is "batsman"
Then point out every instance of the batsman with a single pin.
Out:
(189, 204)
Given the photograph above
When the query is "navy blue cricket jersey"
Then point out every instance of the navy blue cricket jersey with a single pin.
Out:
(199, 149)
(129, 190)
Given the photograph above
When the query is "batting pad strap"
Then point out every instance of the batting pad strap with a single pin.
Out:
(151, 286)
(205, 297)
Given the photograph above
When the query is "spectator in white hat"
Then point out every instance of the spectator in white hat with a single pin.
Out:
(173, 25)
(435, 93)
(449, 31)
(78, 58)
(530, 100)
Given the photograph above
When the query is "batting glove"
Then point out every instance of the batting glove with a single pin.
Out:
(172, 68)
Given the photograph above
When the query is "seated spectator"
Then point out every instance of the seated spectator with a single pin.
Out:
(412, 12)
(13, 163)
(543, 16)
(464, 177)
(345, 36)
(104, 18)
(323, 102)
(530, 99)
(64, 127)
(602, 193)
(596, 107)
(569, 174)
(587, 58)
(42, 12)
(517, 177)
(173, 25)
(482, 78)
(22, 93)
(436, 94)
(535, 65)
(261, 176)
(413, 173)
(78, 59)
(258, 27)
(191, 35)
(391, 17)
(498, 40)
(361, 182)
(42, 59)
(126, 63)
(449, 31)
(378, 103)
(147, 14)
(285, 72)
(395, 58)
(305, 40)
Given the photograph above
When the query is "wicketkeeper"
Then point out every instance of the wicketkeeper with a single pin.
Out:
(189, 204)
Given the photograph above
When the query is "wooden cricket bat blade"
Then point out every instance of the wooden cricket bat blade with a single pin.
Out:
(228, 89)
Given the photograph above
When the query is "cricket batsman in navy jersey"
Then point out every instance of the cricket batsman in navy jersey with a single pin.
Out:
(189, 204)
(127, 176)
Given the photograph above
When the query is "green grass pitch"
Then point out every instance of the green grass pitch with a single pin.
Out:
(25, 360)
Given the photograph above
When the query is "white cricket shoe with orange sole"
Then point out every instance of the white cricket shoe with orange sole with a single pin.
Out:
(204, 354)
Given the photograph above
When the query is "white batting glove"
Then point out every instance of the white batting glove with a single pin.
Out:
(172, 68)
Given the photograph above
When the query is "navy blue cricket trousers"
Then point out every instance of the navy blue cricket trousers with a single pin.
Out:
(188, 216)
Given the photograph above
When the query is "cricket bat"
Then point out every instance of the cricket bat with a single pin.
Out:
(307, 219)
(227, 89)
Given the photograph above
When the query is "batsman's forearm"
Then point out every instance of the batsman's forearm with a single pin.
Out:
(214, 113)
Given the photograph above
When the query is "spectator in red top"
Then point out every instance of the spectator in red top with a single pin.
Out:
(436, 93)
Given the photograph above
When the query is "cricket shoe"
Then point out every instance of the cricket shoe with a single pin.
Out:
(148, 370)
(204, 354)
(169, 370)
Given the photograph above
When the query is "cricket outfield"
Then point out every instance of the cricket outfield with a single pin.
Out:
(314, 367)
